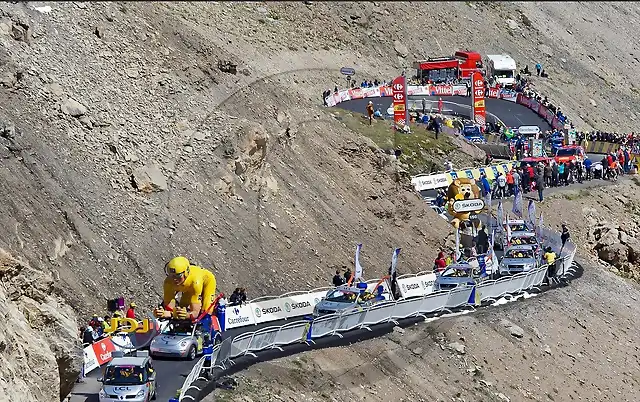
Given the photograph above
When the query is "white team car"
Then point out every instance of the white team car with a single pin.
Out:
(520, 258)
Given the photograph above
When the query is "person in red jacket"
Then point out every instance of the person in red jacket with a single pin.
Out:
(131, 313)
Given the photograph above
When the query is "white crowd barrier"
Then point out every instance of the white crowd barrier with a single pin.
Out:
(419, 299)
(283, 307)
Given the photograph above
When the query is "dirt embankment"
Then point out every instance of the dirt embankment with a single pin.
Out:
(573, 343)
(123, 143)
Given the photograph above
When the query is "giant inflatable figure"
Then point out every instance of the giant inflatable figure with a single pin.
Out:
(463, 189)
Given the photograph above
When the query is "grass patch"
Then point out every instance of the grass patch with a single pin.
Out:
(421, 152)
(580, 194)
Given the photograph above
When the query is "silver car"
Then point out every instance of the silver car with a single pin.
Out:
(344, 298)
(181, 339)
(520, 258)
(128, 378)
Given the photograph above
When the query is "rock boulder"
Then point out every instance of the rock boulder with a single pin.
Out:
(149, 178)
(42, 336)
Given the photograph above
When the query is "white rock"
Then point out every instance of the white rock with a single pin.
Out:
(400, 48)
(73, 108)
(149, 178)
(457, 347)
(593, 103)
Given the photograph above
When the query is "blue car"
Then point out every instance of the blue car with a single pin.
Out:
(473, 134)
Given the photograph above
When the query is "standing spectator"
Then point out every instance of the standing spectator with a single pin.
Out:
(540, 186)
(554, 174)
(131, 313)
(547, 175)
(538, 68)
(485, 186)
(517, 179)
(564, 236)
(370, 112)
(440, 263)
(526, 182)
(338, 280)
(347, 275)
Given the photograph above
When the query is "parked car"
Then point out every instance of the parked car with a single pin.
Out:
(130, 378)
(183, 339)
(345, 298)
(520, 258)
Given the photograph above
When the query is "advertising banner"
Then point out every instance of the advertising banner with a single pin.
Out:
(479, 114)
(442, 90)
(356, 93)
(430, 182)
(239, 316)
(103, 349)
(460, 90)
(268, 310)
(421, 285)
(90, 359)
(399, 102)
(299, 305)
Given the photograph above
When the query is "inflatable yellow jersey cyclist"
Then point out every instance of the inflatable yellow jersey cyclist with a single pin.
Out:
(198, 287)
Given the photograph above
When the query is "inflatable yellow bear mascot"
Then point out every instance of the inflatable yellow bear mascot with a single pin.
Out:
(462, 189)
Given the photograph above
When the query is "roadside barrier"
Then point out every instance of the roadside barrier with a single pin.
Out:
(423, 301)
(441, 180)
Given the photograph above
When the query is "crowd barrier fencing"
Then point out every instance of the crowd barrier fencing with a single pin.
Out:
(307, 332)
(283, 307)
(442, 180)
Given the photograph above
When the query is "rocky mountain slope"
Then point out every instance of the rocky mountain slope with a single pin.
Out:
(124, 143)
(39, 351)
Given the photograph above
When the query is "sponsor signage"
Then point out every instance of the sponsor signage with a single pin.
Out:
(90, 359)
(347, 71)
(430, 182)
(301, 304)
(442, 90)
(479, 113)
(420, 285)
(239, 316)
(103, 349)
(399, 88)
(468, 205)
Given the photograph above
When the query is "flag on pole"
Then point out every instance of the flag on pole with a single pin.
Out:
(457, 250)
(394, 261)
(517, 205)
(531, 212)
(359, 271)
(487, 201)
(483, 266)
(500, 215)
(508, 234)
(539, 230)
(440, 105)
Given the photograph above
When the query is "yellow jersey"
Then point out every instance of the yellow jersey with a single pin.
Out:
(198, 288)
(550, 257)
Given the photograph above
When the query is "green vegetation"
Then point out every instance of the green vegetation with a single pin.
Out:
(421, 152)
(572, 196)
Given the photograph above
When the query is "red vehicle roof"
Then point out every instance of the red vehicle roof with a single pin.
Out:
(437, 64)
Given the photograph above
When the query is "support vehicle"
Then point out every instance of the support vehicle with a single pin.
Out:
(503, 68)
(345, 298)
(130, 378)
(520, 258)
(570, 153)
(184, 339)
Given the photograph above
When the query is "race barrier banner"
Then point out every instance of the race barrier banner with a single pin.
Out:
(441, 180)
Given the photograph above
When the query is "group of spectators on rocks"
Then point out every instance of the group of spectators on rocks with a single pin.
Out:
(630, 140)
(97, 326)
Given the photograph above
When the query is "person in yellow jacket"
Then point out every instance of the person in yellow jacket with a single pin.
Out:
(198, 287)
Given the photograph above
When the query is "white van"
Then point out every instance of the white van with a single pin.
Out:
(503, 68)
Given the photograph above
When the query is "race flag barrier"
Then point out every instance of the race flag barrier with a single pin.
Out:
(419, 299)
(442, 180)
